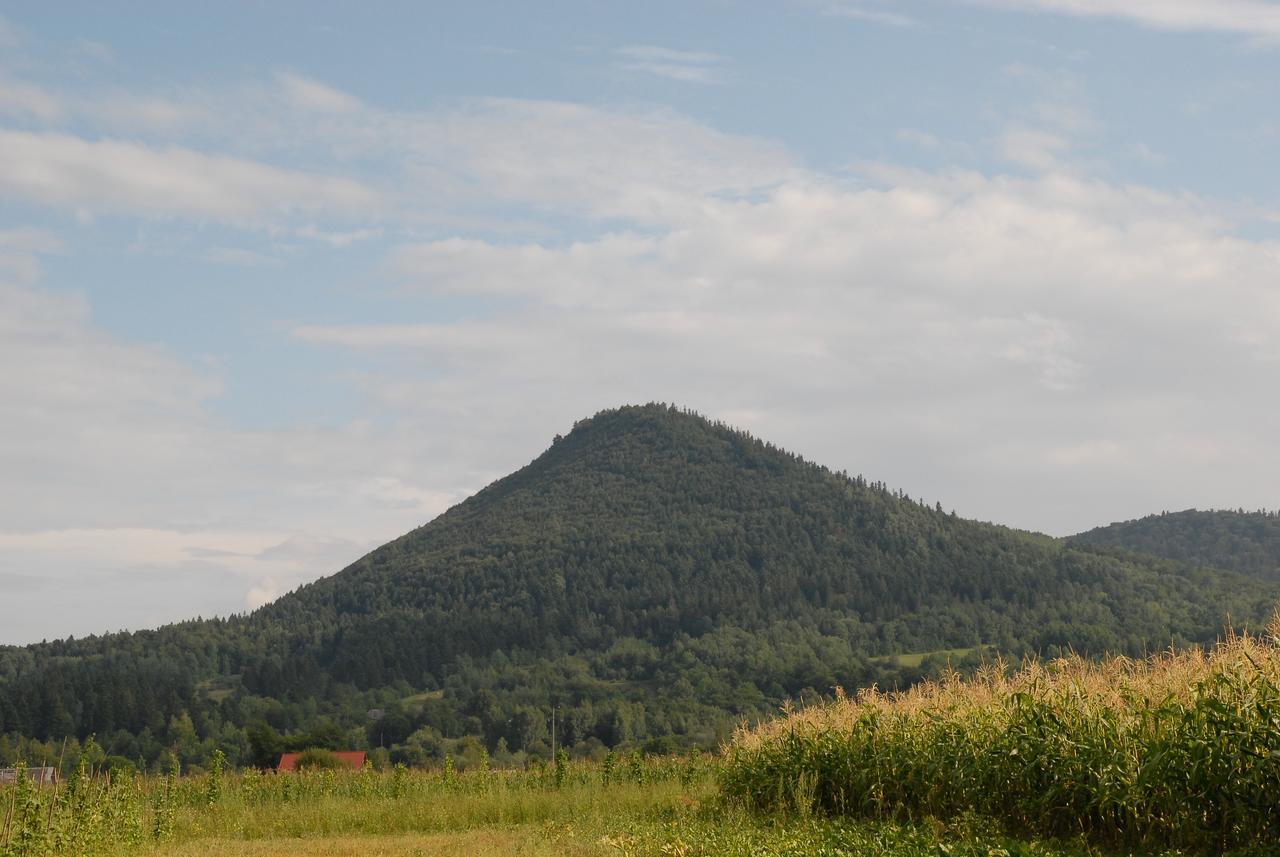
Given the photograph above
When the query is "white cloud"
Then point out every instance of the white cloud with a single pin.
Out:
(644, 165)
(923, 139)
(116, 176)
(336, 238)
(30, 241)
(18, 98)
(20, 251)
(688, 66)
(240, 257)
(454, 164)
(1251, 17)
(685, 73)
(1047, 350)
(651, 53)
(129, 501)
(307, 94)
(1035, 148)
(970, 337)
(876, 14)
(132, 113)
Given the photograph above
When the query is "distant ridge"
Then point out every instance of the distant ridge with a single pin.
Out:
(1246, 542)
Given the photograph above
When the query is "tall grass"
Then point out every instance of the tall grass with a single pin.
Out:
(1178, 751)
(96, 814)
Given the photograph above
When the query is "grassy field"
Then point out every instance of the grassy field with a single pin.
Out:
(657, 806)
(1179, 754)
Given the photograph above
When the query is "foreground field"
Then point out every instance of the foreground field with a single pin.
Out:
(1179, 751)
(1179, 754)
(664, 806)
(472, 843)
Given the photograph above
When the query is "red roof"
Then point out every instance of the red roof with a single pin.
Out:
(353, 759)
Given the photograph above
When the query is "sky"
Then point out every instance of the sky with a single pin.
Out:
(280, 282)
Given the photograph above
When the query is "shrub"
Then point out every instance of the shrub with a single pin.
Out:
(318, 758)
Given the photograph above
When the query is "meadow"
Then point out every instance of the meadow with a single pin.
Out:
(626, 806)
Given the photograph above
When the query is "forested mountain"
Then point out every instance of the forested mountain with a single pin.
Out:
(653, 575)
(1247, 542)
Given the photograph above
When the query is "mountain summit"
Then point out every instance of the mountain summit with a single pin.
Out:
(656, 572)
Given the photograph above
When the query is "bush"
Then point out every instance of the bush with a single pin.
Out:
(117, 765)
(317, 758)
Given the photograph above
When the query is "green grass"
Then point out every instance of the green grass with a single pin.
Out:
(914, 659)
(416, 700)
(633, 808)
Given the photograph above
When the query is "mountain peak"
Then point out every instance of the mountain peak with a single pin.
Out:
(651, 553)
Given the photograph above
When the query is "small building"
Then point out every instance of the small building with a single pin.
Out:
(39, 776)
(353, 759)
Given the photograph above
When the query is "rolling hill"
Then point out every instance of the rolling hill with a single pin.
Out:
(1246, 542)
(654, 575)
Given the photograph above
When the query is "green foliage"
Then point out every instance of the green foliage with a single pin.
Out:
(448, 775)
(652, 576)
(562, 767)
(1182, 751)
(317, 758)
(213, 781)
(1247, 542)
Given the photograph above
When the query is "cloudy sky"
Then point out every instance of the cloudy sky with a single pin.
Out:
(277, 286)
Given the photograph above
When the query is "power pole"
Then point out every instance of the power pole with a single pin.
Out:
(553, 733)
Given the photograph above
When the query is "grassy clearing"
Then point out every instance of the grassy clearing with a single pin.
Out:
(419, 699)
(1179, 751)
(915, 659)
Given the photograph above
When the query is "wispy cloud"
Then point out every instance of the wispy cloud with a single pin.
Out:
(915, 137)
(308, 94)
(66, 170)
(688, 66)
(18, 98)
(874, 13)
(1249, 17)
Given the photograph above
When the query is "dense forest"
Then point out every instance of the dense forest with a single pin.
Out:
(652, 579)
(1247, 542)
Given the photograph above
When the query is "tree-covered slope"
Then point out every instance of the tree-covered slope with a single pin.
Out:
(1246, 542)
(653, 573)
(651, 523)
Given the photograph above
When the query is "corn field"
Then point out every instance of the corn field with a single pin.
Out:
(95, 814)
(1178, 751)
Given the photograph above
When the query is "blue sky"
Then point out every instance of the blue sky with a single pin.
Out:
(279, 284)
